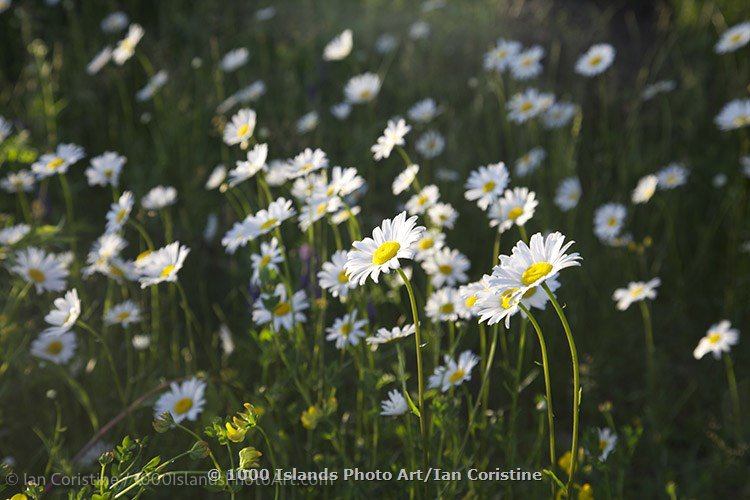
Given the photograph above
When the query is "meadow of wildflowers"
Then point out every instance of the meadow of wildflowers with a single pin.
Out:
(438, 249)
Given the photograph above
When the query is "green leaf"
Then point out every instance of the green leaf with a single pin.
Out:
(413, 407)
(555, 479)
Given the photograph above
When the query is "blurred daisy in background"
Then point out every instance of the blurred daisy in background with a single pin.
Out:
(635, 292)
(735, 114)
(154, 84)
(216, 178)
(431, 241)
(442, 215)
(596, 60)
(99, 60)
(486, 184)
(719, 339)
(386, 336)
(105, 169)
(609, 220)
(114, 22)
(516, 207)
(45, 271)
(559, 115)
(499, 57)
(278, 310)
(395, 405)
(528, 104)
(66, 311)
(126, 47)
(568, 193)
(16, 182)
(58, 162)
(672, 176)
(306, 162)
(241, 128)
(307, 122)
(645, 189)
(454, 372)
(734, 38)
(184, 401)
(424, 111)
(234, 59)
(606, 442)
(245, 169)
(420, 202)
(332, 276)
(404, 180)
(163, 265)
(123, 314)
(444, 304)
(13, 234)
(530, 161)
(347, 330)
(446, 267)
(159, 197)
(340, 47)
(267, 260)
(391, 241)
(119, 212)
(58, 348)
(527, 64)
(362, 88)
(341, 110)
(430, 144)
(393, 136)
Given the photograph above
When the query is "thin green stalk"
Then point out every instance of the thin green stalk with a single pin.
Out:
(524, 236)
(109, 357)
(650, 350)
(420, 376)
(576, 382)
(735, 395)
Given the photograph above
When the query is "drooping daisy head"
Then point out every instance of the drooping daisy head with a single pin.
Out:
(118, 213)
(184, 400)
(267, 260)
(255, 162)
(719, 339)
(53, 346)
(126, 47)
(391, 241)
(340, 47)
(362, 88)
(386, 336)
(635, 292)
(596, 60)
(65, 313)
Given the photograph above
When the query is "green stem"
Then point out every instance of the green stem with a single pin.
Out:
(576, 382)
(524, 236)
(650, 350)
(109, 357)
(735, 395)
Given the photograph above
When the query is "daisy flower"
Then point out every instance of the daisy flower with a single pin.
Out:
(420, 202)
(393, 136)
(454, 373)
(442, 215)
(559, 115)
(530, 161)
(386, 336)
(362, 88)
(635, 292)
(267, 220)
(532, 265)
(241, 128)
(391, 241)
(267, 260)
(332, 276)
(239, 235)
(15, 182)
(403, 180)
(256, 161)
(607, 441)
(528, 63)
(386, 43)
(645, 189)
(735, 114)
(424, 111)
(431, 241)
(447, 267)
(141, 342)
(344, 181)
(340, 47)
(734, 38)
(307, 122)
(163, 264)
(155, 83)
(596, 60)
(114, 22)
(105, 169)
(65, 314)
(395, 405)
(280, 312)
(444, 304)
(216, 178)
(656, 88)
(486, 184)
(471, 292)
(430, 144)
(58, 348)
(159, 197)
(13, 234)
(265, 13)
(124, 314)
(672, 176)
(126, 47)
(528, 104)
(57, 162)
(99, 61)
(306, 162)
(609, 220)
(517, 206)
(568, 193)
(499, 57)
(346, 330)
(341, 110)
(234, 59)
(184, 401)
(316, 208)
(119, 212)
(47, 272)
(719, 339)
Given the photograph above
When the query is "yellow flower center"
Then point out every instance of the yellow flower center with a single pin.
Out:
(714, 337)
(527, 62)
(471, 301)
(741, 121)
(307, 166)
(422, 199)
(385, 252)
(183, 405)
(241, 131)
(282, 309)
(343, 278)
(515, 213)
(529, 293)
(611, 222)
(505, 298)
(426, 244)
(489, 186)
(457, 375)
(123, 316)
(365, 94)
(445, 269)
(602, 444)
(167, 271)
(595, 61)
(36, 275)
(321, 208)
(527, 106)
(54, 163)
(735, 38)
(635, 292)
(143, 255)
(116, 271)
(346, 329)
(265, 260)
(108, 172)
(55, 347)
(269, 224)
(447, 308)
(121, 215)
(535, 272)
